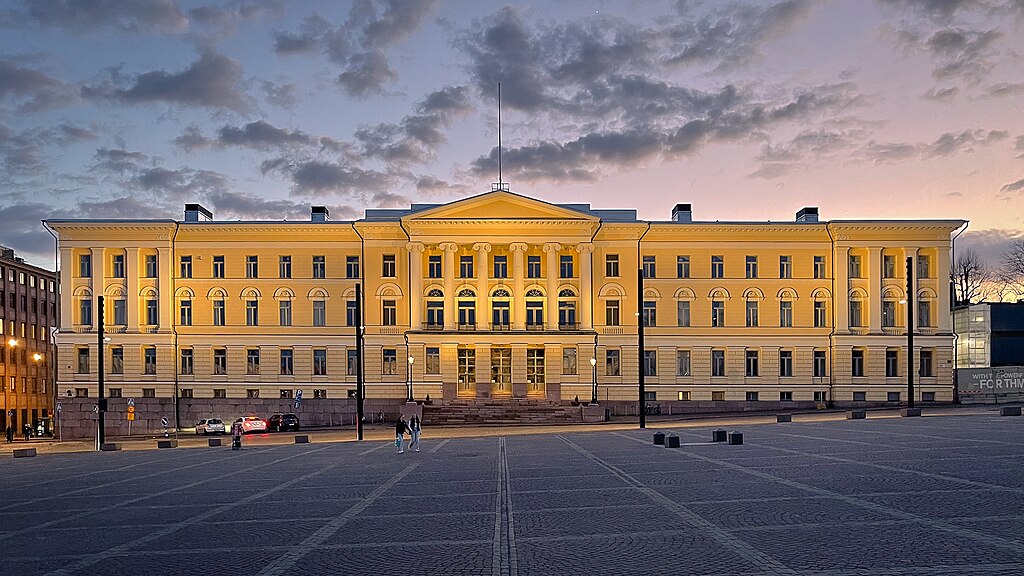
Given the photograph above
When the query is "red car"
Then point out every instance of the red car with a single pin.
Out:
(252, 424)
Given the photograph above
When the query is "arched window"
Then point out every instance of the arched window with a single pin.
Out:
(566, 293)
(467, 293)
(435, 293)
(501, 293)
(534, 293)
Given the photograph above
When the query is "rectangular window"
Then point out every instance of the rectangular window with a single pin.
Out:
(152, 313)
(682, 266)
(118, 266)
(351, 266)
(285, 312)
(85, 265)
(466, 267)
(888, 314)
(717, 313)
(187, 363)
(751, 266)
(83, 361)
(252, 361)
(351, 363)
(820, 396)
(751, 363)
(785, 396)
(569, 361)
(820, 317)
(926, 364)
(888, 266)
(856, 308)
(717, 267)
(467, 367)
(718, 362)
(389, 362)
(892, 396)
(252, 393)
(185, 312)
(567, 315)
(185, 266)
(433, 266)
(218, 266)
(319, 267)
(751, 313)
(149, 357)
(683, 313)
(319, 362)
(860, 396)
(650, 313)
(114, 393)
(892, 359)
(717, 396)
(467, 313)
(120, 312)
(218, 312)
(565, 266)
(319, 393)
(117, 360)
(785, 363)
(149, 392)
(284, 266)
(84, 313)
(82, 392)
(252, 266)
(611, 265)
(611, 363)
(435, 314)
(389, 313)
(683, 363)
(928, 396)
(533, 266)
(857, 363)
(351, 313)
(819, 267)
(252, 313)
(786, 314)
(752, 396)
(924, 266)
(924, 313)
(785, 266)
(611, 312)
(535, 313)
(650, 267)
(388, 266)
(650, 362)
(433, 363)
(220, 361)
(220, 393)
(501, 266)
(535, 373)
(854, 266)
(287, 362)
(683, 395)
(319, 313)
(820, 367)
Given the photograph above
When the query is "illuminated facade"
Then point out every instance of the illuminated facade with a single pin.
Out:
(500, 295)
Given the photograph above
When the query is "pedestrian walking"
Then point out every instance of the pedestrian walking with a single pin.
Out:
(28, 432)
(400, 428)
(414, 434)
(10, 433)
(236, 436)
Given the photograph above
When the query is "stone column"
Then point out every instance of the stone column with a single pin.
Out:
(68, 307)
(98, 269)
(131, 273)
(482, 249)
(483, 370)
(586, 252)
(875, 289)
(551, 250)
(518, 250)
(415, 283)
(909, 252)
(942, 308)
(519, 385)
(841, 298)
(449, 248)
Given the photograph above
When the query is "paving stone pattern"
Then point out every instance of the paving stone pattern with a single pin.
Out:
(924, 496)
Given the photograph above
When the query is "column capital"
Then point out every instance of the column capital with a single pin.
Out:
(448, 247)
(518, 247)
(415, 247)
(482, 247)
(585, 248)
(552, 247)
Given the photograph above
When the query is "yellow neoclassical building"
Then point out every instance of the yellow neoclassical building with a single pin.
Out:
(504, 296)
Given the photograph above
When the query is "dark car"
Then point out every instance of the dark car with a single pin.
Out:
(282, 422)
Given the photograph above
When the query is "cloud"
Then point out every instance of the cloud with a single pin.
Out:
(1006, 89)
(366, 73)
(82, 16)
(947, 144)
(117, 160)
(311, 32)
(213, 81)
(940, 10)
(180, 184)
(237, 205)
(317, 176)
(990, 244)
(225, 16)
(262, 135)
(1019, 146)
(390, 200)
(941, 94)
(806, 147)
(192, 139)
(32, 89)
(1013, 186)
(416, 138)
(280, 95)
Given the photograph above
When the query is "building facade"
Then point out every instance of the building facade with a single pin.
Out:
(505, 296)
(28, 313)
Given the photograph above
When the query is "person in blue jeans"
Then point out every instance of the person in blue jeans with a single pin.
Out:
(414, 434)
(400, 428)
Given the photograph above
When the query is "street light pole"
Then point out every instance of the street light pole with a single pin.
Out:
(910, 332)
(593, 390)
(12, 344)
(359, 362)
(408, 378)
(640, 343)
(101, 406)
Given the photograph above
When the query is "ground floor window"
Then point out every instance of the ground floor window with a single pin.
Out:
(819, 396)
(389, 361)
(785, 396)
(892, 396)
(149, 392)
(535, 369)
(683, 395)
(859, 396)
(501, 369)
(185, 393)
(433, 364)
(467, 368)
(752, 396)
(220, 393)
(319, 393)
(252, 393)
(718, 396)
(611, 362)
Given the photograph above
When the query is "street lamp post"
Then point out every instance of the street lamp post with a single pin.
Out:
(101, 406)
(36, 357)
(640, 344)
(408, 381)
(593, 389)
(8, 412)
(910, 332)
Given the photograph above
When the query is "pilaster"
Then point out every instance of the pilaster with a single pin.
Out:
(586, 252)
(518, 250)
(449, 248)
(415, 283)
(551, 250)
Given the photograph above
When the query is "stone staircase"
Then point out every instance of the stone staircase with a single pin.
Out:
(500, 412)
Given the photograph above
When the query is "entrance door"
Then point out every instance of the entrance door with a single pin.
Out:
(501, 371)
(535, 371)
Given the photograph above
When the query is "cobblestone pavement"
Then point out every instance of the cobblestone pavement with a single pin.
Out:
(884, 496)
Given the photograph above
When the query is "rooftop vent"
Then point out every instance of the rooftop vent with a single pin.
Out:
(196, 213)
(6, 253)
(808, 214)
(682, 213)
(319, 214)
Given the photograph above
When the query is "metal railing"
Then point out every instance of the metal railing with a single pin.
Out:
(467, 327)
(432, 326)
(568, 326)
(894, 330)
(534, 327)
(501, 327)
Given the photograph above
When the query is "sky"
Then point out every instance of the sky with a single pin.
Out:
(747, 110)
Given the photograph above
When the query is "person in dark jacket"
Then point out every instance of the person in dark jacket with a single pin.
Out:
(10, 434)
(400, 428)
(414, 434)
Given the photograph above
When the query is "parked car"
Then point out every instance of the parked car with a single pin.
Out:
(282, 422)
(252, 424)
(210, 426)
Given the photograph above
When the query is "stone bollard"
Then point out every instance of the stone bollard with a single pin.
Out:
(718, 435)
(735, 438)
(673, 441)
(24, 452)
(910, 412)
(783, 417)
(659, 438)
(110, 447)
(303, 439)
(856, 415)
(1009, 411)
(215, 441)
(166, 443)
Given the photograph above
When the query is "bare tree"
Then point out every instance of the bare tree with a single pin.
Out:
(969, 275)
(1011, 270)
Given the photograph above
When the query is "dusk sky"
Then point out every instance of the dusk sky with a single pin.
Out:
(750, 111)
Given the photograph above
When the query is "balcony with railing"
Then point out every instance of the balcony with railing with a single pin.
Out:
(568, 326)
(536, 327)
(894, 330)
(467, 326)
(501, 327)
(432, 326)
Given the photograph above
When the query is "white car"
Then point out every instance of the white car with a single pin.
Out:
(252, 424)
(210, 426)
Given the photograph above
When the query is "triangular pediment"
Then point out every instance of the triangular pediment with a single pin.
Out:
(501, 205)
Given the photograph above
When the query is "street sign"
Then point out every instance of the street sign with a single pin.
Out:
(59, 407)
(131, 416)
(298, 399)
(131, 402)
(163, 422)
(131, 409)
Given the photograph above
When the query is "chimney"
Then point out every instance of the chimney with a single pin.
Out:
(196, 213)
(319, 214)
(6, 253)
(682, 213)
(808, 214)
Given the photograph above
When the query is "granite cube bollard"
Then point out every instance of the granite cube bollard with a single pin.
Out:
(735, 438)
(783, 417)
(856, 415)
(303, 439)
(215, 441)
(24, 452)
(659, 439)
(1010, 411)
(166, 443)
(910, 412)
(110, 447)
(673, 441)
(718, 435)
